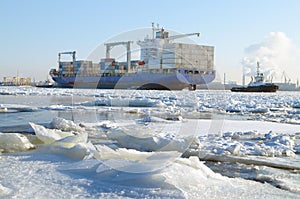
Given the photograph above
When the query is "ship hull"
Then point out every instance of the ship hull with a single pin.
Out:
(261, 88)
(155, 81)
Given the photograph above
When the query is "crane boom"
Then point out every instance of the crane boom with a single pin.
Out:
(73, 53)
(162, 34)
(70, 52)
(182, 35)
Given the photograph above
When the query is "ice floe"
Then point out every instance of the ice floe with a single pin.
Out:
(48, 136)
(149, 140)
(14, 142)
(249, 143)
(4, 191)
(65, 125)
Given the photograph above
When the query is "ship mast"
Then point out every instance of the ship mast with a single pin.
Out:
(257, 69)
(259, 76)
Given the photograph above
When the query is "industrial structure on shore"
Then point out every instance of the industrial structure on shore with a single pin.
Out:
(16, 81)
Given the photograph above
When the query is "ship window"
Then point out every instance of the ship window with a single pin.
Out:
(190, 72)
(196, 72)
(179, 71)
(186, 71)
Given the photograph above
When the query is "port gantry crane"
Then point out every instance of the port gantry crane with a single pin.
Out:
(73, 53)
(109, 46)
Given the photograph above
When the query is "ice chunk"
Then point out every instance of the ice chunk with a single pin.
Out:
(16, 108)
(100, 102)
(297, 149)
(3, 110)
(235, 149)
(48, 135)
(4, 191)
(194, 163)
(290, 153)
(65, 125)
(239, 143)
(14, 142)
(144, 140)
(77, 151)
(57, 107)
(131, 154)
(259, 110)
(142, 103)
(233, 110)
(75, 146)
(296, 105)
(133, 161)
(270, 135)
(153, 119)
(70, 141)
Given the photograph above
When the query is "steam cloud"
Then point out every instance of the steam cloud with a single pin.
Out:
(276, 53)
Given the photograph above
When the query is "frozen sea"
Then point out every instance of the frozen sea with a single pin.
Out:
(86, 143)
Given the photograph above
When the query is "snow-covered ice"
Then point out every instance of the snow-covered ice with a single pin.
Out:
(14, 142)
(64, 143)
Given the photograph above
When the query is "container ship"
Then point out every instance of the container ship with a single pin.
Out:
(163, 65)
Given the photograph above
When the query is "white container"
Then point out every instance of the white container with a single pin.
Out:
(169, 66)
(169, 61)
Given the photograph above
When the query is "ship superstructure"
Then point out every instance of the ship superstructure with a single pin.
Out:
(163, 64)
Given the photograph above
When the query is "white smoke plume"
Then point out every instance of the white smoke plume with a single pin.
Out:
(276, 53)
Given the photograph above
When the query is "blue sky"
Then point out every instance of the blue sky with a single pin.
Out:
(33, 32)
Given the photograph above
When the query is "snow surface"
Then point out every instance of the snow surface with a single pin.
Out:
(74, 167)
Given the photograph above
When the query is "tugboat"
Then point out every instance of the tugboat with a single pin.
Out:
(258, 85)
(45, 84)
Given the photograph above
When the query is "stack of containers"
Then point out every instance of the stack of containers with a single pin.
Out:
(171, 56)
(66, 68)
(210, 55)
(96, 69)
(77, 65)
(151, 52)
(177, 55)
(83, 67)
(105, 63)
(87, 67)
